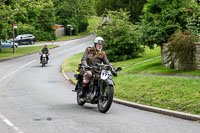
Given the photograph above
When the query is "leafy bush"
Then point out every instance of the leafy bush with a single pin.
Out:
(193, 20)
(25, 29)
(162, 18)
(182, 46)
(83, 23)
(121, 42)
(39, 34)
(78, 26)
(74, 12)
(44, 36)
(133, 6)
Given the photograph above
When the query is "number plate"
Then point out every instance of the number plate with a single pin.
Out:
(104, 74)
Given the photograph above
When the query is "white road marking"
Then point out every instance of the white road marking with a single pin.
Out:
(12, 73)
(3, 118)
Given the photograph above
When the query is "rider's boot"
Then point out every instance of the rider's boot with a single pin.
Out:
(83, 89)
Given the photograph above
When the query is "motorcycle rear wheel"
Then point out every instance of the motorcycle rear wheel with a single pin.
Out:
(79, 100)
(105, 101)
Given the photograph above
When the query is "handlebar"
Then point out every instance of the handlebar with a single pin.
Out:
(103, 66)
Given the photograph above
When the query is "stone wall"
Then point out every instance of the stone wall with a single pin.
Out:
(193, 64)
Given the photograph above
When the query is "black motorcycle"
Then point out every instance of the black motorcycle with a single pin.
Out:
(100, 90)
(44, 60)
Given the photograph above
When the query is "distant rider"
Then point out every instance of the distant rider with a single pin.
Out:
(92, 56)
(44, 50)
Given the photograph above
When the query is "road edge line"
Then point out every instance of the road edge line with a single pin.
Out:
(8, 123)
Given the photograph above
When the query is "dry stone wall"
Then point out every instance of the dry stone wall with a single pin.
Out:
(193, 64)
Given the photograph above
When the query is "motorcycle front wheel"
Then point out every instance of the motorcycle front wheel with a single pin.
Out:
(43, 63)
(105, 101)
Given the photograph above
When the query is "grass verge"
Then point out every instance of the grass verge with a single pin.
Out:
(8, 52)
(174, 93)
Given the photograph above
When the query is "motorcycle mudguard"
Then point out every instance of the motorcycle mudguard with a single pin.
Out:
(110, 82)
(78, 76)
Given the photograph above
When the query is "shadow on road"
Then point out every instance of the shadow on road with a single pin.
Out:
(39, 65)
(75, 108)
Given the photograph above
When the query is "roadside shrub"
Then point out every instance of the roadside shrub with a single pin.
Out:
(182, 46)
(25, 29)
(44, 36)
(83, 23)
(120, 35)
(39, 34)
(162, 18)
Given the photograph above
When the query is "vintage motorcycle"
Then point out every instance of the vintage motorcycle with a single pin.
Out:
(44, 60)
(100, 90)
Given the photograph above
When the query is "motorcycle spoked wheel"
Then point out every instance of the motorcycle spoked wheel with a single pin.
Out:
(105, 101)
(43, 64)
(79, 100)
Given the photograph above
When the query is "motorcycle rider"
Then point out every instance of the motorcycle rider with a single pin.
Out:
(92, 56)
(44, 50)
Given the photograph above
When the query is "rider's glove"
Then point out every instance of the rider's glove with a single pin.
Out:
(114, 73)
(85, 64)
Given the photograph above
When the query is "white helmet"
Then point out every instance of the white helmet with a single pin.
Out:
(99, 40)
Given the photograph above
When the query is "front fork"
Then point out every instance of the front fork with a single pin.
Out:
(101, 84)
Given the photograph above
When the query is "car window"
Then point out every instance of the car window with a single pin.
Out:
(18, 36)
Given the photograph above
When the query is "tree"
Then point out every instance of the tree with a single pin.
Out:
(133, 6)
(121, 37)
(7, 14)
(162, 18)
(75, 12)
(34, 16)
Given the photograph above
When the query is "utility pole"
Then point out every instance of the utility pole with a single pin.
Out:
(13, 39)
(14, 26)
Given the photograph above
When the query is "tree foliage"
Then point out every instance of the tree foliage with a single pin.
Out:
(121, 41)
(38, 16)
(32, 16)
(162, 18)
(74, 12)
(133, 6)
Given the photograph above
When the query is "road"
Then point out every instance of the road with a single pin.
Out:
(40, 100)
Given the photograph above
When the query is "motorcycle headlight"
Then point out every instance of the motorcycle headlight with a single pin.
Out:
(106, 67)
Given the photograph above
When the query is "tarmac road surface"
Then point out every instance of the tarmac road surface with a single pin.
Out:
(40, 100)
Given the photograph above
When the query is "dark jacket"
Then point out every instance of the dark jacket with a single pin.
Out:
(89, 53)
(45, 50)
